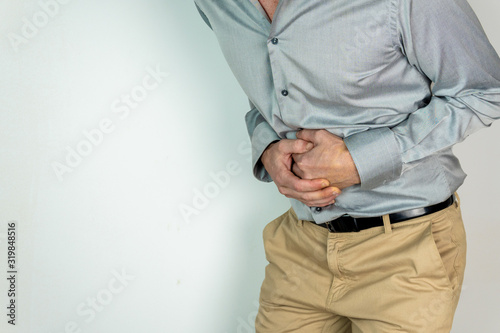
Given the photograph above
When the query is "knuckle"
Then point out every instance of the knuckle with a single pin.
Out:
(308, 197)
(297, 186)
(322, 134)
(298, 145)
(322, 196)
(304, 161)
(280, 145)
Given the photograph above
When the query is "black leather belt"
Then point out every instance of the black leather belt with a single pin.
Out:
(348, 223)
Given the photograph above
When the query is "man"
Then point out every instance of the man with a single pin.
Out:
(355, 106)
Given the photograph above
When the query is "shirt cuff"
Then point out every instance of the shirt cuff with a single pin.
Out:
(376, 155)
(262, 136)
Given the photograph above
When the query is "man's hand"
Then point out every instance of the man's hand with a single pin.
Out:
(277, 159)
(329, 159)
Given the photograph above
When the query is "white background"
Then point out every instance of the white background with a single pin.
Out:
(118, 212)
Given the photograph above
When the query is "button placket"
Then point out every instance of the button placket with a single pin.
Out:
(275, 41)
(277, 73)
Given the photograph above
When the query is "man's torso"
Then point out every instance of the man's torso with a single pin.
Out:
(337, 65)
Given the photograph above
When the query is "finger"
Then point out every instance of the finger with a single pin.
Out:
(323, 195)
(320, 203)
(319, 198)
(297, 171)
(323, 203)
(297, 158)
(311, 196)
(307, 134)
(294, 146)
(288, 180)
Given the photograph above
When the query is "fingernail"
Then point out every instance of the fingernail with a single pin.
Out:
(335, 193)
(309, 146)
(325, 183)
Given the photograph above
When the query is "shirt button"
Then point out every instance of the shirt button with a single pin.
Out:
(284, 92)
(318, 209)
(274, 40)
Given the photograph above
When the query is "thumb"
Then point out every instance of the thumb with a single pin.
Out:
(306, 134)
(295, 146)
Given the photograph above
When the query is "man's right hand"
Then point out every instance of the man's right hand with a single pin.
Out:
(277, 159)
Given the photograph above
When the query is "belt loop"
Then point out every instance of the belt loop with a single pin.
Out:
(387, 224)
(457, 200)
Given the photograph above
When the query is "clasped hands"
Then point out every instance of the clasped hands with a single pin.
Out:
(313, 169)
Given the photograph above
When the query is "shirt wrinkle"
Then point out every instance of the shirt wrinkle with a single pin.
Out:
(400, 81)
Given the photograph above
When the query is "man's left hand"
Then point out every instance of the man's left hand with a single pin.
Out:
(329, 159)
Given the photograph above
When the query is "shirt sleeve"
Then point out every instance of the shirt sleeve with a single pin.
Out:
(261, 135)
(444, 40)
(203, 16)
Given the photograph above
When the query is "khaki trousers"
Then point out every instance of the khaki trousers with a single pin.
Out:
(404, 277)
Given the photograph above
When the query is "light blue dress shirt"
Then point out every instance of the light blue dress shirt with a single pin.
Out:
(401, 81)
